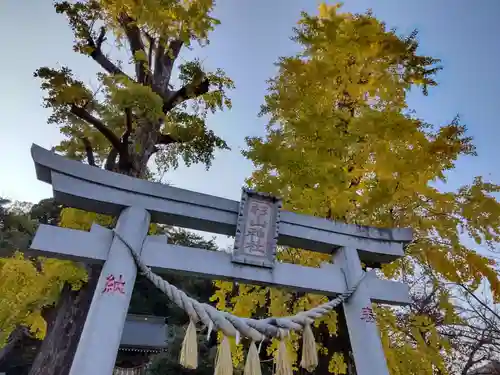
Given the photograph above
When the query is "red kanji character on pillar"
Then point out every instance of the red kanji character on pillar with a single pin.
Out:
(367, 315)
(120, 285)
(110, 282)
(113, 285)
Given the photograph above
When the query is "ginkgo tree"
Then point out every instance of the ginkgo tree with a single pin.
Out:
(28, 285)
(343, 144)
(153, 106)
(31, 286)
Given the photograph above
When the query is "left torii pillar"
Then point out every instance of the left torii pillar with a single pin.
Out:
(100, 339)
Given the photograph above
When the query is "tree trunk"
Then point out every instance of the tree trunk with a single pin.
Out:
(337, 343)
(14, 338)
(63, 334)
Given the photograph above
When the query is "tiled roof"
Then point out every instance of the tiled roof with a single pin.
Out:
(144, 333)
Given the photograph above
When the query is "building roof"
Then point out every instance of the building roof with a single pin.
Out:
(144, 333)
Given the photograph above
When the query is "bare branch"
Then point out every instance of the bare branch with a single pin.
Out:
(470, 361)
(88, 151)
(479, 301)
(96, 123)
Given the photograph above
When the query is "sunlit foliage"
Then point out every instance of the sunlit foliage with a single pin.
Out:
(342, 144)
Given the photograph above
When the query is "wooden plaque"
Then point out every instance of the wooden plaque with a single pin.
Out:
(257, 229)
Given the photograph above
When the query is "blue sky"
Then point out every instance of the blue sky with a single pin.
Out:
(253, 34)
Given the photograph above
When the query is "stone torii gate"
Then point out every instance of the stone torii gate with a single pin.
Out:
(258, 224)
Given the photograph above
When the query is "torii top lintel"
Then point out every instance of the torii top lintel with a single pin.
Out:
(81, 186)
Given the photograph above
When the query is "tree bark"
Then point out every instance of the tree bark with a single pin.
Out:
(337, 343)
(63, 334)
(14, 338)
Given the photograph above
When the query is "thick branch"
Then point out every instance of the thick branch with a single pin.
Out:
(159, 65)
(166, 139)
(164, 62)
(169, 57)
(124, 155)
(84, 34)
(128, 123)
(151, 49)
(133, 34)
(101, 38)
(187, 92)
(96, 123)
(111, 160)
(105, 63)
(99, 57)
(88, 151)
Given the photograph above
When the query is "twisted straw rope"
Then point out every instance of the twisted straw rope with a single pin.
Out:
(231, 325)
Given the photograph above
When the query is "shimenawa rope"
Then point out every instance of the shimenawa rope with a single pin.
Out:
(256, 330)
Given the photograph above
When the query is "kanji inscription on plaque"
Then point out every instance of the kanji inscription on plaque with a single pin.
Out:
(257, 229)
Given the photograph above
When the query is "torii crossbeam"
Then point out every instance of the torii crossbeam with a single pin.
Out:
(256, 221)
